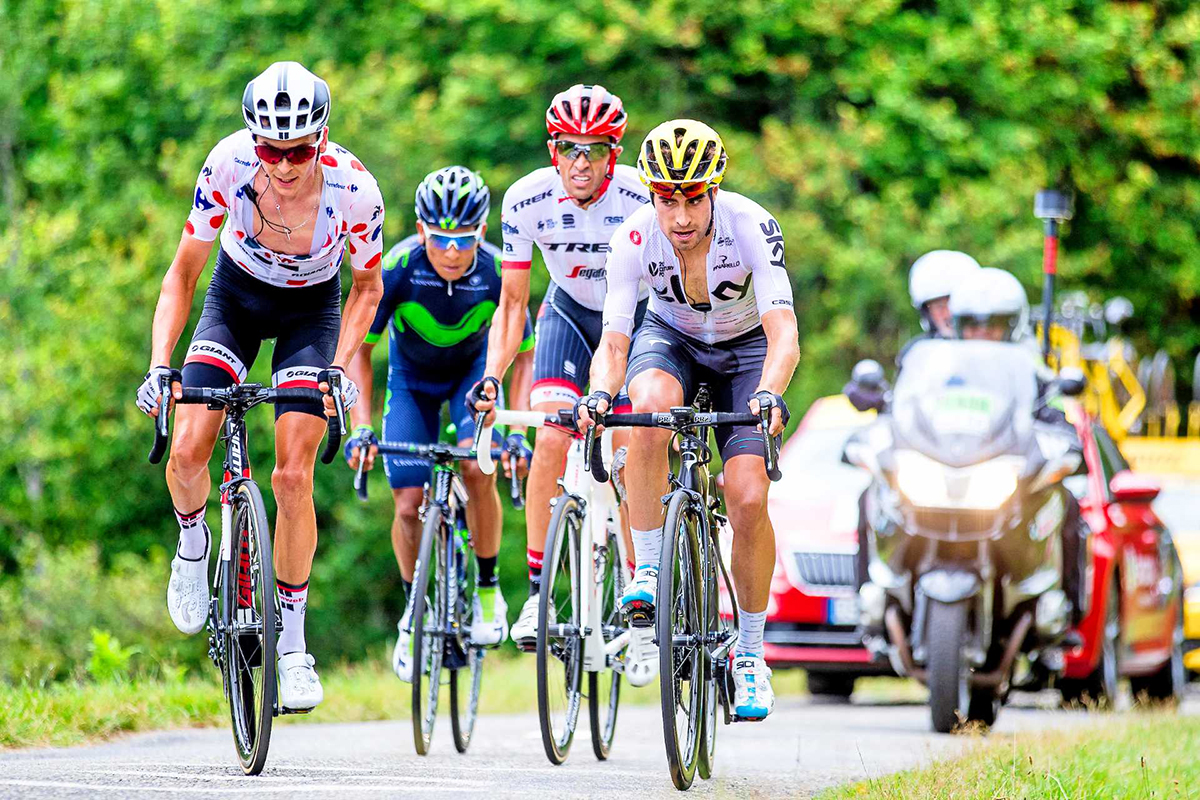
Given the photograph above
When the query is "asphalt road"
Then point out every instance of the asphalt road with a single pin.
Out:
(801, 748)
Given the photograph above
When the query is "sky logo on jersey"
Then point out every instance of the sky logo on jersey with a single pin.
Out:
(201, 201)
(774, 235)
(724, 289)
(586, 273)
(568, 220)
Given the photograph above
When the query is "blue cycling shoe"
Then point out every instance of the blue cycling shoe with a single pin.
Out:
(753, 696)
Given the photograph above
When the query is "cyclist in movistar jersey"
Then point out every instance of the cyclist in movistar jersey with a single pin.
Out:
(291, 202)
(720, 313)
(441, 287)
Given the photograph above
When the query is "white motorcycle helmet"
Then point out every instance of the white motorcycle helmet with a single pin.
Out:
(935, 275)
(285, 102)
(993, 299)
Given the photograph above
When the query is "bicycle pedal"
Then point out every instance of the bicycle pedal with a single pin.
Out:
(736, 718)
(526, 645)
(639, 614)
(285, 711)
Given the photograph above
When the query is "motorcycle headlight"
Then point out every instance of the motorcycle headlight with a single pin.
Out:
(982, 487)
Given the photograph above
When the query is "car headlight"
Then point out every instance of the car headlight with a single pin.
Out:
(983, 487)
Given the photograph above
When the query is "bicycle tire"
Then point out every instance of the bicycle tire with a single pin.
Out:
(249, 597)
(677, 613)
(463, 716)
(565, 652)
(604, 686)
(711, 612)
(428, 638)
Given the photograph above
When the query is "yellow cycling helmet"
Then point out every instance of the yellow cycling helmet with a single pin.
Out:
(682, 155)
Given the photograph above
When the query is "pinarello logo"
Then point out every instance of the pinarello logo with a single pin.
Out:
(635, 237)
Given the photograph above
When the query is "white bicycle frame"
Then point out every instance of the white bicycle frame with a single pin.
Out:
(600, 509)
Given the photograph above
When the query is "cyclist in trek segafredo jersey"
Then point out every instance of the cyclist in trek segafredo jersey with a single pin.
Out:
(291, 203)
(720, 314)
(569, 211)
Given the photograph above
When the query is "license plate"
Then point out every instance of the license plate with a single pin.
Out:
(843, 610)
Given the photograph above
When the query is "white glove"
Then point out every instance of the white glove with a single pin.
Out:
(150, 392)
(349, 389)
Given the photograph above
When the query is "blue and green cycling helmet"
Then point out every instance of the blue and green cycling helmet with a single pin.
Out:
(452, 197)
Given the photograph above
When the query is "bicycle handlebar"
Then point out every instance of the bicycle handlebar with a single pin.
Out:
(220, 398)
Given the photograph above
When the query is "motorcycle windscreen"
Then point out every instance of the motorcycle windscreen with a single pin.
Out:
(963, 402)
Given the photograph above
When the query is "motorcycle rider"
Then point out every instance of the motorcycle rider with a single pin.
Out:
(991, 305)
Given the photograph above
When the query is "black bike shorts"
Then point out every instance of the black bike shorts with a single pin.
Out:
(241, 311)
(732, 370)
(567, 337)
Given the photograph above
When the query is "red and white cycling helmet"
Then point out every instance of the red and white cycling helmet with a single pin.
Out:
(587, 111)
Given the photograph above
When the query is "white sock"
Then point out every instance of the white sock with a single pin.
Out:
(647, 546)
(750, 633)
(293, 600)
(193, 534)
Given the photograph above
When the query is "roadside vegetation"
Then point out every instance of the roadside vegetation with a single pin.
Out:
(1137, 756)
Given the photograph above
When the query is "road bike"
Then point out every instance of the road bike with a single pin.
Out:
(694, 638)
(584, 573)
(443, 591)
(244, 619)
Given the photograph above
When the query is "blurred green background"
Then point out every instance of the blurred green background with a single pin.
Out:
(873, 129)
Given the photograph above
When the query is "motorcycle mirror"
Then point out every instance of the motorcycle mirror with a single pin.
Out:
(1072, 381)
(868, 373)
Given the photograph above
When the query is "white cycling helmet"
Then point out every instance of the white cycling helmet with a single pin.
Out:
(991, 296)
(935, 275)
(286, 102)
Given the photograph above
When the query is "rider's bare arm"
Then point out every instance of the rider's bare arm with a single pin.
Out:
(508, 323)
(175, 298)
(521, 381)
(364, 297)
(610, 362)
(783, 353)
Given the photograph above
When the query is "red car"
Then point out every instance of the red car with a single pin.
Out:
(813, 616)
(1134, 623)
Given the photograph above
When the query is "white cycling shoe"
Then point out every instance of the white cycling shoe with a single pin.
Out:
(637, 604)
(524, 630)
(489, 631)
(187, 593)
(641, 660)
(753, 697)
(299, 687)
(402, 653)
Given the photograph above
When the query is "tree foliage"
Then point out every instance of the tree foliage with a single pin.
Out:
(873, 129)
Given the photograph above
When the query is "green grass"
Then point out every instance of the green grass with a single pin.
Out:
(1135, 757)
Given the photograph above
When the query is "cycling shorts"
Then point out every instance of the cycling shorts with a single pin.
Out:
(412, 413)
(732, 369)
(567, 336)
(240, 311)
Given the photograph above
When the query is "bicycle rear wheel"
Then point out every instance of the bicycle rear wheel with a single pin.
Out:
(429, 626)
(604, 685)
(250, 611)
(464, 702)
(680, 631)
(559, 637)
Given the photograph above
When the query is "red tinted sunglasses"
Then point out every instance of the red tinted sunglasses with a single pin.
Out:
(688, 190)
(296, 155)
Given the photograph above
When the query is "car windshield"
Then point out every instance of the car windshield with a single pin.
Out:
(962, 402)
(818, 448)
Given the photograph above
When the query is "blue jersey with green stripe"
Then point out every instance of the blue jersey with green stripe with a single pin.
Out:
(437, 324)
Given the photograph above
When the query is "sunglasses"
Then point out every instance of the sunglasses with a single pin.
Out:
(458, 241)
(688, 190)
(296, 155)
(597, 151)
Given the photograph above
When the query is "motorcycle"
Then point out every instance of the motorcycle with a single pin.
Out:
(964, 521)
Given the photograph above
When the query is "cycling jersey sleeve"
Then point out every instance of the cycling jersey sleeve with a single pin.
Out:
(772, 286)
(365, 218)
(393, 280)
(518, 243)
(623, 273)
(209, 203)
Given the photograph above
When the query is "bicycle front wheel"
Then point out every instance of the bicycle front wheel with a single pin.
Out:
(429, 625)
(465, 687)
(681, 648)
(251, 613)
(604, 685)
(559, 634)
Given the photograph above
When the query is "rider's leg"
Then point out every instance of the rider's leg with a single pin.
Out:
(196, 432)
(753, 544)
(297, 437)
(652, 390)
(406, 531)
(544, 471)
